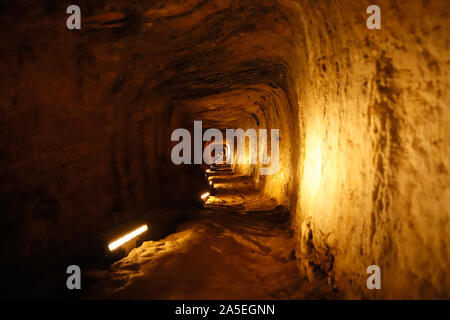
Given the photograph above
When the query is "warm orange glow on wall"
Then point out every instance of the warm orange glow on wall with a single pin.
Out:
(312, 174)
(115, 244)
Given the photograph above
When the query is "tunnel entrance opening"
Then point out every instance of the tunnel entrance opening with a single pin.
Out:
(240, 152)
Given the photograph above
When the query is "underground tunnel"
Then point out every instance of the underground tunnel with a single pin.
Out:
(87, 142)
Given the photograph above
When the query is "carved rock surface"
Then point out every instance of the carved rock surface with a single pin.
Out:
(86, 118)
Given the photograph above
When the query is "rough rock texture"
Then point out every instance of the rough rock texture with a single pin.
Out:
(374, 184)
(86, 117)
(230, 250)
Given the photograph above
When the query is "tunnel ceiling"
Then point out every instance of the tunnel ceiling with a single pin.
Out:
(234, 53)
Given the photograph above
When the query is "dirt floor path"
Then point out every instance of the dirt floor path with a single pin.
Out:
(238, 247)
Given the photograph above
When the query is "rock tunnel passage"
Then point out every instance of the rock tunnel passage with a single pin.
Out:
(232, 249)
(86, 118)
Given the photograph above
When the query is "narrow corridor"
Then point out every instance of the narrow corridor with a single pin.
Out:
(239, 246)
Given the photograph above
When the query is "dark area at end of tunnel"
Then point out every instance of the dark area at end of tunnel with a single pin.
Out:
(86, 122)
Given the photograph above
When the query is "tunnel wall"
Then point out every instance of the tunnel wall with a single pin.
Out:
(364, 136)
(374, 123)
(85, 139)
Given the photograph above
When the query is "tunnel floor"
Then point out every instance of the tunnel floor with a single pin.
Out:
(239, 246)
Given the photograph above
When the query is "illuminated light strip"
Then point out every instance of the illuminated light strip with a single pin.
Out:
(210, 182)
(126, 238)
(203, 196)
(208, 171)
